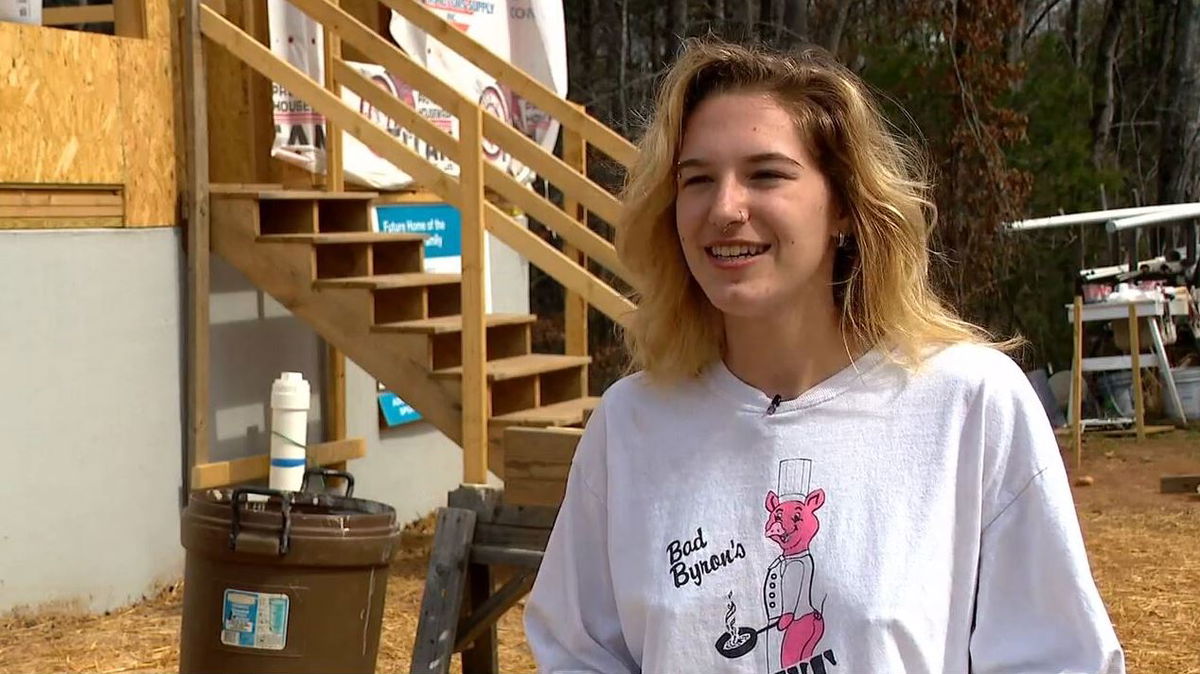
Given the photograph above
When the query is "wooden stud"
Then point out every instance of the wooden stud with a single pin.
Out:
(335, 394)
(474, 335)
(1135, 348)
(67, 16)
(1077, 384)
(129, 18)
(333, 137)
(196, 133)
(444, 586)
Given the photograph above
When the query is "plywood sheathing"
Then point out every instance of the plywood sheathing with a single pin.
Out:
(239, 106)
(158, 22)
(149, 133)
(59, 107)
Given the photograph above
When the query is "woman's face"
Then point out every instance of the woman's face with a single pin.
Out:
(755, 217)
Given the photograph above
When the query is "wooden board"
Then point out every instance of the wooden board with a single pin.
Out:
(1180, 484)
(558, 414)
(148, 133)
(536, 464)
(444, 586)
(60, 102)
(236, 471)
(521, 366)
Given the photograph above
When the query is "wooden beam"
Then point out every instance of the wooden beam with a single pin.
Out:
(261, 59)
(1135, 348)
(198, 242)
(258, 467)
(560, 267)
(63, 211)
(604, 138)
(536, 464)
(1179, 484)
(474, 268)
(480, 654)
(493, 607)
(67, 16)
(335, 393)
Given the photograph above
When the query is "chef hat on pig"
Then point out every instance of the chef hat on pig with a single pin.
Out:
(794, 475)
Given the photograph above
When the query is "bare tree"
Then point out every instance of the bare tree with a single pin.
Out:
(623, 68)
(750, 17)
(718, 14)
(1179, 162)
(1074, 27)
(1103, 89)
(838, 26)
(795, 21)
(677, 25)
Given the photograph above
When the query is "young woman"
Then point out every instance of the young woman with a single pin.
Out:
(819, 468)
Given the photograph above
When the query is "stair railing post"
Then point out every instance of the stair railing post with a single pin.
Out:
(335, 370)
(474, 269)
(575, 307)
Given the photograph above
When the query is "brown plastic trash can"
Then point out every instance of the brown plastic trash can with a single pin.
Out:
(295, 583)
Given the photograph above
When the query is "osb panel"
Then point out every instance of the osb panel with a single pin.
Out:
(59, 107)
(147, 119)
(158, 21)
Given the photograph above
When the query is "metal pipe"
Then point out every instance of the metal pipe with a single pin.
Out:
(1176, 212)
(1082, 218)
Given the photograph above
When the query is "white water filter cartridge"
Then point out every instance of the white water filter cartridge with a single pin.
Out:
(289, 431)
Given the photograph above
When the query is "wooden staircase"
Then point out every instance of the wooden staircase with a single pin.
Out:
(367, 293)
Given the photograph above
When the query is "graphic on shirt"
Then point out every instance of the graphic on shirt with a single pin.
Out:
(794, 625)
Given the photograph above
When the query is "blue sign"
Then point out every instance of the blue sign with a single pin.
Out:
(395, 411)
(440, 223)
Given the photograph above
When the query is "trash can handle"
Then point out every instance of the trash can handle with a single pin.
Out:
(285, 508)
(327, 473)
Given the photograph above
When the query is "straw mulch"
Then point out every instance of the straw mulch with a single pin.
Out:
(1144, 547)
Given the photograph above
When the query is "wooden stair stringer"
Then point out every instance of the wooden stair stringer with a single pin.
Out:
(341, 316)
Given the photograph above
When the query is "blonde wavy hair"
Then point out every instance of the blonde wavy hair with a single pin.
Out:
(881, 280)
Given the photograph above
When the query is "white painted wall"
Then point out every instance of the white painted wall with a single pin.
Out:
(90, 425)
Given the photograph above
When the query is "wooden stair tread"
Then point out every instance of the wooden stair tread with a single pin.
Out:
(340, 237)
(520, 366)
(252, 192)
(565, 413)
(411, 280)
(447, 324)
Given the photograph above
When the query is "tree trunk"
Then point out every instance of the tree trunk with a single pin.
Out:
(795, 22)
(622, 83)
(1103, 90)
(677, 25)
(839, 26)
(718, 17)
(750, 18)
(1179, 159)
(1074, 27)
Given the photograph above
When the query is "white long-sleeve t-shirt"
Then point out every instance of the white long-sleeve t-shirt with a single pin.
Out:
(885, 521)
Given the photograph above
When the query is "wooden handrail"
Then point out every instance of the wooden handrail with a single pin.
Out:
(553, 169)
(261, 59)
(395, 109)
(570, 229)
(604, 138)
(562, 268)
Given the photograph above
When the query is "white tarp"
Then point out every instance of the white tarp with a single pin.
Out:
(529, 33)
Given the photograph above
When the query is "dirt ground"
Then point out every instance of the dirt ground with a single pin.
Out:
(1144, 547)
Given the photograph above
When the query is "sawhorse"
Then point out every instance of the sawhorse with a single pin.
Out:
(461, 606)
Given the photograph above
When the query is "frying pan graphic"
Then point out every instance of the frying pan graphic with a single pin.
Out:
(750, 640)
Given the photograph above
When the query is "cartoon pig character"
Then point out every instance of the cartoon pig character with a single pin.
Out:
(787, 590)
